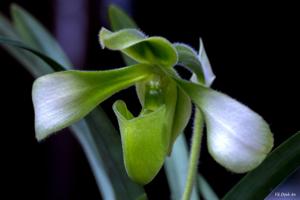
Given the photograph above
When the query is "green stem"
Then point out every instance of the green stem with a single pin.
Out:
(194, 155)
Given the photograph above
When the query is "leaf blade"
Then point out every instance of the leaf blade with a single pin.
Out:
(258, 183)
(35, 34)
(205, 190)
(176, 167)
(24, 57)
(56, 66)
(119, 19)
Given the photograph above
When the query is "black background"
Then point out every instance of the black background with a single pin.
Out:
(254, 52)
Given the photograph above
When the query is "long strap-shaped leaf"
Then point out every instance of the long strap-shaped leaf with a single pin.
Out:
(35, 35)
(26, 58)
(258, 183)
(54, 65)
(176, 167)
(118, 20)
(205, 189)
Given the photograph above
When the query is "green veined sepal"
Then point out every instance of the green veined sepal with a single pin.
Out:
(139, 47)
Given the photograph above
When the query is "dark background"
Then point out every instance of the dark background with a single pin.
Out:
(253, 49)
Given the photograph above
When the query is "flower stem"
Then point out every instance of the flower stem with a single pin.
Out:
(194, 155)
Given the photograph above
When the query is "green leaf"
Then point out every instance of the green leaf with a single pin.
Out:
(119, 19)
(237, 138)
(63, 98)
(144, 145)
(176, 167)
(205, 190)
(34, 34)
(27, 59)
(56, 66)
(151, 50)
(258, 183)
(6, 28)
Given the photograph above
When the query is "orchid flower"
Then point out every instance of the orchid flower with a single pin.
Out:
(237, 138)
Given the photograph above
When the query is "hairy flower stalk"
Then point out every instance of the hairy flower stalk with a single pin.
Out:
(195, 154)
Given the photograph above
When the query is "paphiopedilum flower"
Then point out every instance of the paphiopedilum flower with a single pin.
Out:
(237, 138)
